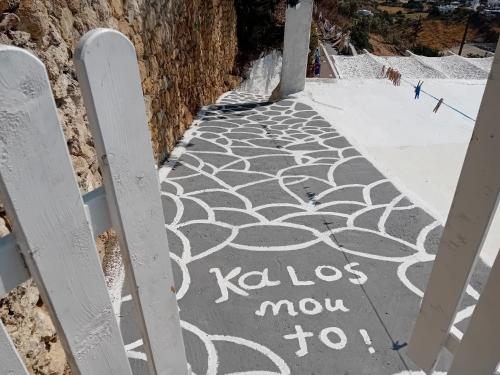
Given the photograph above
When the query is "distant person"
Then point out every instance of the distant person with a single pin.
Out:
(317, 69)
(382, 73)
(317, 62)
(418, 88)
(317, 55)
(438, 105)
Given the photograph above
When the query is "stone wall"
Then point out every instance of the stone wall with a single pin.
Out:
(186, 51)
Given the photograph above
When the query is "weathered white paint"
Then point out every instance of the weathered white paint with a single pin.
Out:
(304, 304)
(296, 47)
(96, 209)
(9, 358)
(336, 331)
(13, 270)
(479, 349)
(367, 340)
(475, 201)
(49, 220)
(109, 76)
(330, 61)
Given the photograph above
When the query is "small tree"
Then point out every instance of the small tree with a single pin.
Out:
(418, 27)
(434, 12)
(360, 34)
(420, 49)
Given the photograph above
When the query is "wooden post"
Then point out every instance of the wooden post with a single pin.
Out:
(43, 201)
(9, 359)
(109, 77)
(13, 270)
(464, 38)
(473, 207)
(479, 350)
(296, 47)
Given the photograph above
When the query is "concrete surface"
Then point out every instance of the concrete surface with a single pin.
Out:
(420, 151)
(292, 253)
(264, 74)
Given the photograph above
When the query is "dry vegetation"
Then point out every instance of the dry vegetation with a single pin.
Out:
(381, 47)
(440, 34)
(392, 10)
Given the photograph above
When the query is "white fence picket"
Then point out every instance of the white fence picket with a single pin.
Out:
(475, 202)
(96, 209)
(479, 350)
(10, 362)
(13, 270)
(44, 203)
(109, 77)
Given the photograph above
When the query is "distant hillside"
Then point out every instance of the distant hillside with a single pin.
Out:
(441, 34)
(396, 26)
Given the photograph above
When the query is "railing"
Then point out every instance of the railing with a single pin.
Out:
(475, 202)
(54, 229)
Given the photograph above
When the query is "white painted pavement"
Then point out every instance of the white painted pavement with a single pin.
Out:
(292, 253)
(420, 151)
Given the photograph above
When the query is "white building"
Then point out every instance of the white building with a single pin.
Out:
(447, 8)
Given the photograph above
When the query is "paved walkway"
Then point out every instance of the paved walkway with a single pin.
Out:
(292, 253)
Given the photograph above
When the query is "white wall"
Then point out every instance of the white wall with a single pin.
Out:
(264, 75)
(296, 47)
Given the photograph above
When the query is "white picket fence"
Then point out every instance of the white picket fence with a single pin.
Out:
(54, 227)
(475, 202)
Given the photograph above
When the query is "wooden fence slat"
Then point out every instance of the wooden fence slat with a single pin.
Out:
(452, 343)
(479, 350)
(10, 362)
(13, 270)
(473, 207)
(43, 201)
(96, 209)
(109, 77)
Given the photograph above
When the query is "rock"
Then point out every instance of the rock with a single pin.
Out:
(8, 21)
(21, 38)
(8, 5)
(117, 8)
(29, 325)
(67, 21)
(34, 18)
(4, 229)
(73, 5)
